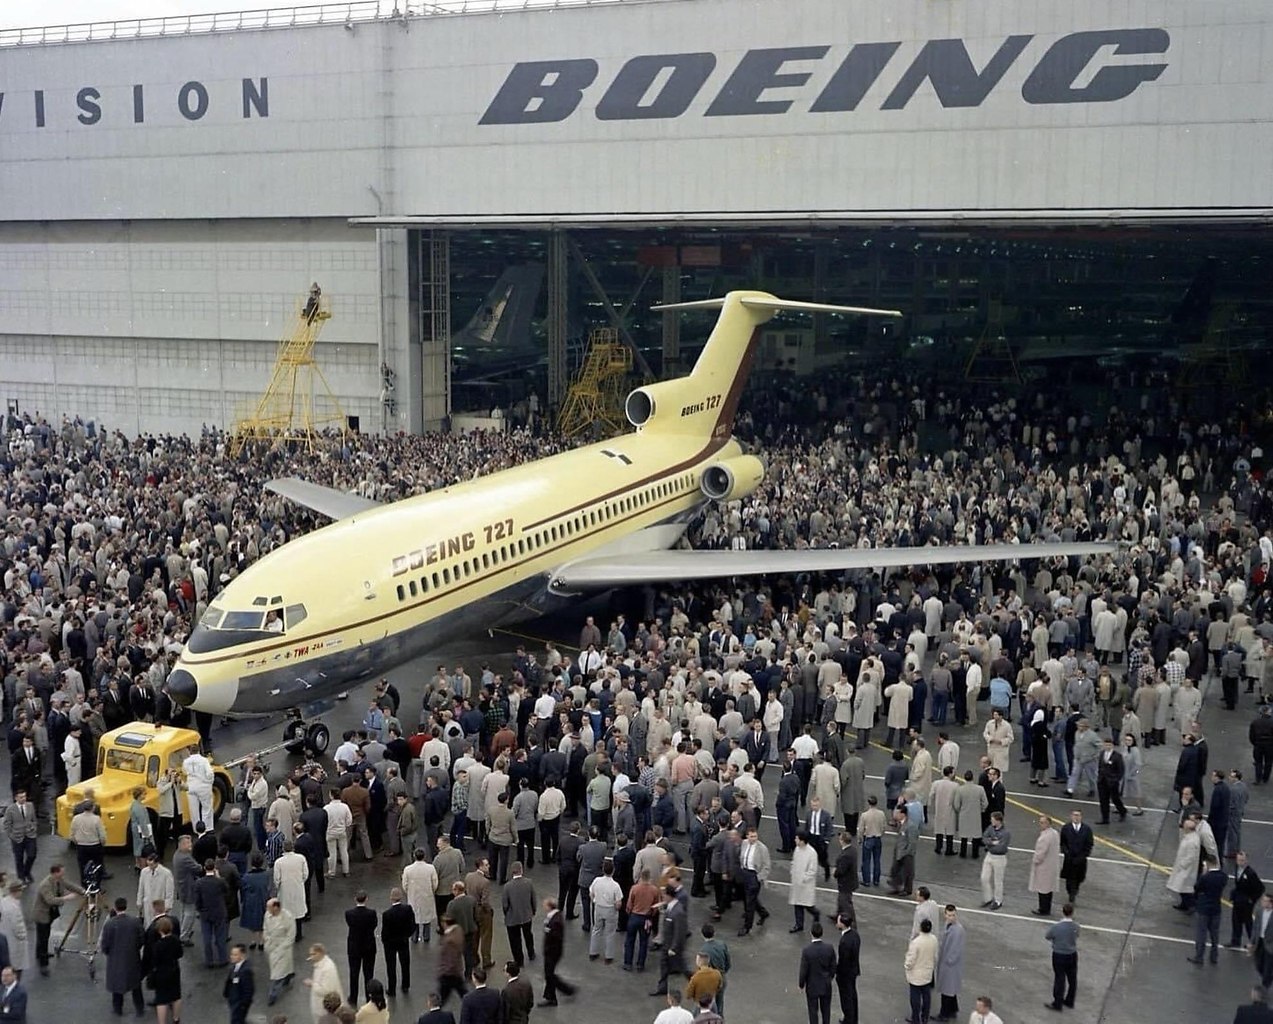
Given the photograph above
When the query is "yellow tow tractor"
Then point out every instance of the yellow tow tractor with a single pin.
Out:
(131, 756)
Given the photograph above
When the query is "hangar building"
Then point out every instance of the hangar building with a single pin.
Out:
(478, 184)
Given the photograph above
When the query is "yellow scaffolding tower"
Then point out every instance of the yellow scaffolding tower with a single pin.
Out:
(594, 400)
(992, 360)
(298, 403)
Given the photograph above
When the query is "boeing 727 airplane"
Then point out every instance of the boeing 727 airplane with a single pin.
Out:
(384, 584)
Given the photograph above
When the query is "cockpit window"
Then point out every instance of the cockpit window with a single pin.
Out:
(211, 618)
(242, 620)
(294, 615)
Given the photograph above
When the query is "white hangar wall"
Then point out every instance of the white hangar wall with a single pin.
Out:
(167, 326)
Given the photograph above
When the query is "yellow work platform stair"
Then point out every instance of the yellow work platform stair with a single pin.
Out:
(298, 404)
(594, 400)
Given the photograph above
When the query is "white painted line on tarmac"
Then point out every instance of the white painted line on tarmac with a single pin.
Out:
(1015, 849)
(1029, 919)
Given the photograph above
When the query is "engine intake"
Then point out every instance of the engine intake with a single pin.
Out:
(639, 407)
(731, 479)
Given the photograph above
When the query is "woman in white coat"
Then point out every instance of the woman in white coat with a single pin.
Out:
(844, 703)
(1188, 703)
(803, 893)
(1045, 866)
(1184, 869)
(324, 979)
(290, 872)
(13, 927)
(865, 704)
(420, 883)
(73, 757)
(283, 811)
(280, 943)
(899, 709)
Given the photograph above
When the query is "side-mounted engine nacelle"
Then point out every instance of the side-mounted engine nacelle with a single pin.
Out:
(731, 479)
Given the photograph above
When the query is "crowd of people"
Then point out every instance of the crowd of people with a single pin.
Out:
(636, 767)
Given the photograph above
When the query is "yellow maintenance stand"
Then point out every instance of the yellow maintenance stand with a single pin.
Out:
(298, 403)
(594, 400)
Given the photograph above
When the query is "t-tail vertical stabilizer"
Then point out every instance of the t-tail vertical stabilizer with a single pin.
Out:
(704, 403)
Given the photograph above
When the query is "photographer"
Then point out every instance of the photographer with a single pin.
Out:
(50, 896)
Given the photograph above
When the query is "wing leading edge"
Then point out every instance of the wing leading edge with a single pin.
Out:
(658, 566)
(326, 501)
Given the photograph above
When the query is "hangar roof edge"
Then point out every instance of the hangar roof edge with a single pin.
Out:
(349, 13)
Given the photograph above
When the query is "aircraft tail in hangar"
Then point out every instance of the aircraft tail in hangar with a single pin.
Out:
(503, 320)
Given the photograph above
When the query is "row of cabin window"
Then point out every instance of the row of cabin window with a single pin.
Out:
(548, 535)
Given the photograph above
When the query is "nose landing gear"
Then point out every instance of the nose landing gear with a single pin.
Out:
(301, 735)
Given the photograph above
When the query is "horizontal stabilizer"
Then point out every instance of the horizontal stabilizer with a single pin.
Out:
(326, 501)
(659, 566)
(814, 307)
(776, 304)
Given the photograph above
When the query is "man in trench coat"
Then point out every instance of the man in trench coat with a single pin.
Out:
(123, 937)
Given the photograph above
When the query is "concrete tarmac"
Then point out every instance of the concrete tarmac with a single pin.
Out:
(1133, 947)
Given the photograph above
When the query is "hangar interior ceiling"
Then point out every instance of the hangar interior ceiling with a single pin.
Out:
(1071, 304)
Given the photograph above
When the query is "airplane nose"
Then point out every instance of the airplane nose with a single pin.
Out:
(182, 687)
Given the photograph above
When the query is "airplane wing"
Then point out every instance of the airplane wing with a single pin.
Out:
(326, 501)
(657, 566)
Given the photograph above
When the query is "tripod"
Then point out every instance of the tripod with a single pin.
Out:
(90, 910)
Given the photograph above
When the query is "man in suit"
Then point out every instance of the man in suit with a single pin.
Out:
(435, 1014)
(1245, 894)
(846, 875)
(1077, 842)
(214, 918)
(554, 947)
(753, 859)
(26, 770)
(21, 828)
(674, 932)
(819, 828)
(568, 870)
(360, 945)
(1109, 781)
(786, 806)
(13, 998)
(817, 971)
(480, 1005)
(1257, 1011)
(847, 968)
(1263, 936)
(518, 904)
(240, 985)
(397, 926)
(756, 745)
(591, 856)
(518, 998)
(1208, 890)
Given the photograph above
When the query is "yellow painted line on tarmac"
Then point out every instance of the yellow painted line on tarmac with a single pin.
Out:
(1022, 805)
(541, 641)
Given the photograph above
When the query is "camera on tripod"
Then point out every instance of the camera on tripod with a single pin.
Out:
(93, 878)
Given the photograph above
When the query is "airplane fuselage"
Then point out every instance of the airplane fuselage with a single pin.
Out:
(389, 584)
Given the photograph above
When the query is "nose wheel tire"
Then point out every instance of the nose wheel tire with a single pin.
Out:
(294, 737)
(318, 738)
